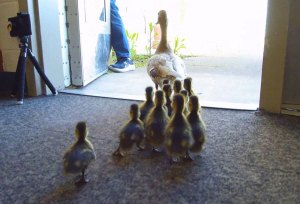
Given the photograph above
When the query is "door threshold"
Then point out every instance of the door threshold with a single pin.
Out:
(204, 103)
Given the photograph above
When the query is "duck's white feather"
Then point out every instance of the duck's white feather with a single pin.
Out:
(165, 66)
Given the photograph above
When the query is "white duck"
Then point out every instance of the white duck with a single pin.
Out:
(164, 64)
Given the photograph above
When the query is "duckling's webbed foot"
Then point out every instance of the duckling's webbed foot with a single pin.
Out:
(188, 157)
(83, 180)
(139, 146)
(156, 150)
(174, 160)
(118, 153)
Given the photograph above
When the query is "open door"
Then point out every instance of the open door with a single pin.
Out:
(89, 39)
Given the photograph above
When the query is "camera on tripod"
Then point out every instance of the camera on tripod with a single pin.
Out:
(20, 25)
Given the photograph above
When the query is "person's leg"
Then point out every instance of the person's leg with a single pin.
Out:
(119, 41)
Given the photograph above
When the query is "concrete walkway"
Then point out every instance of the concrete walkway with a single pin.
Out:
(221, 82)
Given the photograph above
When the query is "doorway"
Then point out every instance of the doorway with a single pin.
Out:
(224, 49)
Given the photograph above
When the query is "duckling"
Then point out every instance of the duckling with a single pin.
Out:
(184, 93)
(164, 64)
(79, 155)
(146, 106)
(178, 136)
(156, 122)
(132, 132)
(177, 86)
(166, 81)
(197, 124)
(187, 84)
(168, 92)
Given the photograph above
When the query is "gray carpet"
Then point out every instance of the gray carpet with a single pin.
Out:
(249, 157)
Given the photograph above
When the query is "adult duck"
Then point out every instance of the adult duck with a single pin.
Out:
(164, 64)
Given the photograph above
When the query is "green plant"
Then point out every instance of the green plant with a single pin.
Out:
(132, 38)
(179, 44)
(148, 47)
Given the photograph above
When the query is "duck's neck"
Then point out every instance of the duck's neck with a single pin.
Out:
(163, 45)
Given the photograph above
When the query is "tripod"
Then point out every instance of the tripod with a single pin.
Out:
(19, 83)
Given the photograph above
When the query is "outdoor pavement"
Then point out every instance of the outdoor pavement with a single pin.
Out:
(220, 82)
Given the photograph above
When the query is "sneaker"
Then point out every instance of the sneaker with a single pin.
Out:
(122, 65)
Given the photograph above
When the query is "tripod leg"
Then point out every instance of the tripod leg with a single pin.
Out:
(21, 61)
(41, 73)
(19, 84)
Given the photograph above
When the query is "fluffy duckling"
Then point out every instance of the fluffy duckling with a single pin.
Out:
(132, 132)
(156, 122)
(177, 86)
(79, 155)
(178, 136)
(166, 81)
(164, 64)
(146, 106)
(184, 93)
(197, 124)
(187, 85)
(168, 92)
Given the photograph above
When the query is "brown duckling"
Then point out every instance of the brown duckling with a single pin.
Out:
(177, 86)
(197, 124)
(168, 92)
(79, 155)
(132, 132)
(187, 85)
(146, 106)
(156, 122)
(178, 136)
(184, 93)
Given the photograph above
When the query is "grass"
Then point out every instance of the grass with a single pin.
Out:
(141, 60)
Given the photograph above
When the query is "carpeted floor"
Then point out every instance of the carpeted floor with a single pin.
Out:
(249, 157)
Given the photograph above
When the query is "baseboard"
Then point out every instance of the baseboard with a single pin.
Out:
(290, 109)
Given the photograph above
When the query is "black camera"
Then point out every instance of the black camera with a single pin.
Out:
(20, 25)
